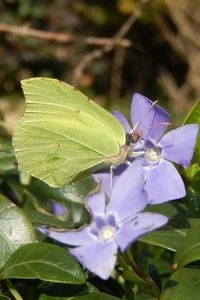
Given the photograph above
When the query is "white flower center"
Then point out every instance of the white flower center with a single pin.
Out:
(107, 232)
(152, 155)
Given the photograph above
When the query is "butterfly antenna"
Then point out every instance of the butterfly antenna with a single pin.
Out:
(111, 177)
(156, 125)
(144, 116)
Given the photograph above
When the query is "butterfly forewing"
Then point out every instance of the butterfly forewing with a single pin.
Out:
(63, 133)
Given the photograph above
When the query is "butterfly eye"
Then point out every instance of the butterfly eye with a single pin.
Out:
(136, 135)
(129, 139)
(133, 137)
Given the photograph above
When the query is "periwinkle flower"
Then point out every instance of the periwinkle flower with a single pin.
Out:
(115, 225)
(162, 180)
(158, 151)
(148, 119)
(59, 210)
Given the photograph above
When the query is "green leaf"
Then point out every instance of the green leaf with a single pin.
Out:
(72, 198)
(173, 234)
(74, 215)
(16, 189)
(171, 209)
(144, 296)
(191, 171)
(43, 261)
(169, 236)
(192, 201)
(75, 192)
(64, 291)
(95, 296)
(15, 229)
(90, 296)
(4, 297)
(38, 218)
(47, 297)
(7, 162)
(194, 115)
(189, 248)
(183, 285)
(195, 183)
(7, 157)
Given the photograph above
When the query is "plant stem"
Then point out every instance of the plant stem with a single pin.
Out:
(128, 263)
(12, 290)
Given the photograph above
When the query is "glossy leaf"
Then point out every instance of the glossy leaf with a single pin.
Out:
(38, 218)
(74, 192)
(15, 229)
(196, 181)
(43, 261)
(4, 297)
(7, 157)
(194, 115)
(96, 296)
(90, 296)
(189, 248)
(170, 235)
(183, 285)
(64, 291)
(16, 189)
(193, 201)
(7, 162)
(143, 296)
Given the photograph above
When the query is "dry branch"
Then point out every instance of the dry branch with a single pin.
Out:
(61, 37)
(97, 53)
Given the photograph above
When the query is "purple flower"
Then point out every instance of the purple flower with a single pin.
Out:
(115, 226)
(59, 210)
(162, 180)
(148, 119)
(155, 152)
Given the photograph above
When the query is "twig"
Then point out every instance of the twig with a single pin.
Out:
(60, 37)
(124, 43)
(39, 34)
(131, 20)
(116, 75)
(178, 95)
(78, 71)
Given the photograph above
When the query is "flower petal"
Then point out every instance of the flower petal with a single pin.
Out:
(163, 183)
(138, 225)
(178, 144)
(127, 195)
(150, 119)
(73, 237)
(96, 203)
(99, 258)
(103, 178)
(59, 210)
(123, 121)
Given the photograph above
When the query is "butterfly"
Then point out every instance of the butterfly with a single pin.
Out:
(63, 135)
